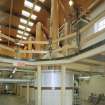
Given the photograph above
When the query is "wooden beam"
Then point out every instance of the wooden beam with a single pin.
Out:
(68, 60)
(34, 42)
(33, 51)
(7, 37)
(30, 48)
(64, 48)
(54, 22)
(39, 35)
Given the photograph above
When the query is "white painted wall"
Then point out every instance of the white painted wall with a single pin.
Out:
(95, 85)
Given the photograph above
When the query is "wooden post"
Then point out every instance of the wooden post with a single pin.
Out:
(25, 55)
(39, 84)
(65, 34)
(28, 100)
(30, 47)
(39, 35)
(54, 22)
(63, 87)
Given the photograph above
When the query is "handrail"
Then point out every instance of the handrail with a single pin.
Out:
(71, 35)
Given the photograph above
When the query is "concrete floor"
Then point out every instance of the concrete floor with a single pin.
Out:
(11, 100)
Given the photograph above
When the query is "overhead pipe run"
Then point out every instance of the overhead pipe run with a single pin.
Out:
(16, 81)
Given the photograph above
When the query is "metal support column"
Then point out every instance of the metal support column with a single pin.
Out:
(28, 93)
(39, 84)
(63, 87)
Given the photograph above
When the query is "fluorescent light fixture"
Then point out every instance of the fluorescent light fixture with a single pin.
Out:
(20, 32)
(33, 17)
(24, 38)
(14, 71)
(21, 27)
(21, 44)
(24, 21)
(28, 29)
(28, 4)
(71, 2)
(26, 34)
(85, 77)
(37, 8)
(30, 24)
(25, 13)
(18, 36)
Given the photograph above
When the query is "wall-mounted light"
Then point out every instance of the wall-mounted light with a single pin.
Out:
(71, 2)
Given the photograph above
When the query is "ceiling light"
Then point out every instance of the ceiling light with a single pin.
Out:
(21, 45)
(18, 36)
(30, 23)
(24, 38)
(42, 1)
(37, 8)
(85, 77)
(28, 29)
(21, 27)
(23, 21)
(26, 34)
(33, 17)
(0, 39)
(20, 32)
(71, 2)
(25, 13)
(28, 4)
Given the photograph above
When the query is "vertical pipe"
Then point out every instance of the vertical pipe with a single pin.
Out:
(28, 93)
(20, 90)
(34, 89)
(63, 77)
(39, 84)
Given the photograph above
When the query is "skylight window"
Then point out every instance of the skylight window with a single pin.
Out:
(24, 38)
(18, 36)
(23, 21)
(21, 27)
(28, 29)
(30, 23)
(99, 25)
(37, 8)
(28, 4)
(33, 17)
(26, 34)
(20, 32)
(25, 13)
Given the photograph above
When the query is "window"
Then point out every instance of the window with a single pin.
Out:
(99, 25)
